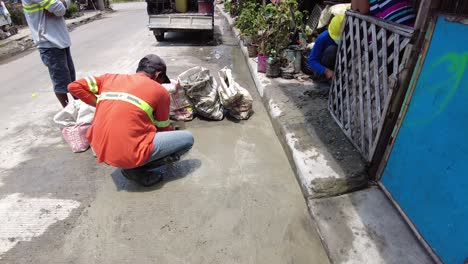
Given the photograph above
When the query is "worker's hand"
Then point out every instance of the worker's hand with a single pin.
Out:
(48, 14)
(329, 74)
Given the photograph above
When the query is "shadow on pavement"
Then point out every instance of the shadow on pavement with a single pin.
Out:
(172, 172)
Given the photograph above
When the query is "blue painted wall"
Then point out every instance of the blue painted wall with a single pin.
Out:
(427, 172)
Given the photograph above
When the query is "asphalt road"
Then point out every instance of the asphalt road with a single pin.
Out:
(233, 199)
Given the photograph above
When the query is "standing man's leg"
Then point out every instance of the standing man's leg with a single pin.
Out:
(56, 61)
(71, 67)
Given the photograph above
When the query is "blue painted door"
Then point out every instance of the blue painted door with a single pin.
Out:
(427, 171)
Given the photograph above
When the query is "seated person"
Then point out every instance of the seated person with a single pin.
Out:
(323, 55)
(398, 11)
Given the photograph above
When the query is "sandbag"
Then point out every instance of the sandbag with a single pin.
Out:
(181, 108)
(235, 99)
(74, 121)
(201, 89)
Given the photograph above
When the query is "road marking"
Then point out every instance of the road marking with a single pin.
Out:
(23, 218)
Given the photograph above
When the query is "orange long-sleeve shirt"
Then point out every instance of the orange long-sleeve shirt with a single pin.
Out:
(122, 133)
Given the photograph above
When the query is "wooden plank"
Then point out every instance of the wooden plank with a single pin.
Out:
(376, 70)
(423, 13)
(353, 79)
(384, 64)
(396, 55)
(361, 103)
(341, 89)
(367, 87)
(404, 43)
(393, 27)
(405, 58)
(390, 41)
(348, 109)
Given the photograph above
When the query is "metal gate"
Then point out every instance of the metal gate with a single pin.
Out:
(427, 169)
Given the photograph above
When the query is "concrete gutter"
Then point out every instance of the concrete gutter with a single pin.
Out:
(357, 223)
(22, 41)
(320, 170)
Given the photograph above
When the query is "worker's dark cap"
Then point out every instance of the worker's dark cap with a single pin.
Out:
(155, 63)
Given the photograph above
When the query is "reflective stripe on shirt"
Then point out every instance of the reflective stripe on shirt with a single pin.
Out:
(135, 101)
(92, 84)
(31, 8)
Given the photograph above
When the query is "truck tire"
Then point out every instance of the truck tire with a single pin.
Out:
(210, 35)
(159, 35)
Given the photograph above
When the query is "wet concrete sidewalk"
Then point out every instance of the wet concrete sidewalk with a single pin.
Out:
(356, 221)
(233, 199)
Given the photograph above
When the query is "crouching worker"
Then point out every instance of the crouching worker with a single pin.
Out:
(323, 55)
(131, 127)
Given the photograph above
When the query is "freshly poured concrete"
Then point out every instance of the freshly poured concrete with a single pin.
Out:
(233, 199)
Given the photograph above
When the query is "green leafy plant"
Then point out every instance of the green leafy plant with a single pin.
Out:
(228, 5)
(247, 22)
(232, 6)
(72, 10)
(276, 25)
(16, 13)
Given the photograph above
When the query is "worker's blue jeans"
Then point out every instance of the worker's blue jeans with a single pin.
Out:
(171, 142)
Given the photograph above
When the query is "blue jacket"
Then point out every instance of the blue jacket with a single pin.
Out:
(321, 43)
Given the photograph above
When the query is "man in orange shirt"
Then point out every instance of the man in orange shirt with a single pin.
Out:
(131, 127)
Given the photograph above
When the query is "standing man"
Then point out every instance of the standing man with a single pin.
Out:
(50, 34)
(131, 127)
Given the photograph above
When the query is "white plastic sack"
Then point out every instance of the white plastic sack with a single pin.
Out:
(228, 91)
(325, 17)
(329, 11)
(76, 112)
(201, 89)
(339, 9)
(181, 108)
(74, 121)
(235, 99)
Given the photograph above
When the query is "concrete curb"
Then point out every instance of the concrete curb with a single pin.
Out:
(356, 224)
(22, 41)
(314, 163)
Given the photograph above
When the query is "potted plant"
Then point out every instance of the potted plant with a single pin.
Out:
(276, 24)
(247, 24)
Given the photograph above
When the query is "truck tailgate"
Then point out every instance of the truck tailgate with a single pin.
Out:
(193, 21)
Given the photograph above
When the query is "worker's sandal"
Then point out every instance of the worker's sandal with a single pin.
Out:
(149, 178)
(143, 176)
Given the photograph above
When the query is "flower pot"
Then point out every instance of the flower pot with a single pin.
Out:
(253, 50)
(273, 68)
(294, 56)
(261, 63)
(205, 6)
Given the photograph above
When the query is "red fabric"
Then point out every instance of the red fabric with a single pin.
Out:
(122, 134)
